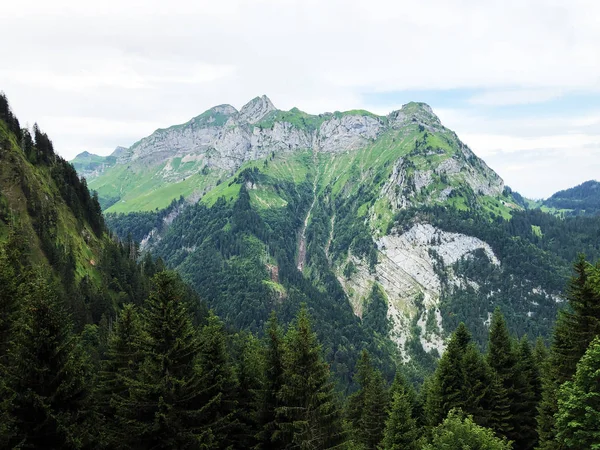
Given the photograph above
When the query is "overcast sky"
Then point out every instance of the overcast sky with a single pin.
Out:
(519, 81)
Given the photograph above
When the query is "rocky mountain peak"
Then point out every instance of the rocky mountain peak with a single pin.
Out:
(118, 151)
(416, 112)
(84, 154)
(256, 109)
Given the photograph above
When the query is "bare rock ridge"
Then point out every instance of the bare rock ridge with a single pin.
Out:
(256, 109)
(224, 138)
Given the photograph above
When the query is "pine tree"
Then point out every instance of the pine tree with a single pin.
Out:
(250, 375)
(479, 393)
(47, 375)
(367, 408)
(309, 413)
(160, 407)
(273, 383)
(375, 412)
(447, 388)
(119, 369)
(528, 394)
(578, 417)
(574, 330)
(502, 358)
(218, 397)
(400, 427)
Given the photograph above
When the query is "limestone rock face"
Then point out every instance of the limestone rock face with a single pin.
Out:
(256, 109)
(406, 271)
(350, 132)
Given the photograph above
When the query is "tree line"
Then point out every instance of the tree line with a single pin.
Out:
(168, 378)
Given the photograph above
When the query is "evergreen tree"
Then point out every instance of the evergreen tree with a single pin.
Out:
(273, 383)
(575, 328)
(479, 393)
(119, 369)
(309, 413)
(250, 375)
(528, 395)
(502, 358)
(400, 427)
(578, 417)
(447, 388)
(367, 408)
(161, 406)
(375, 412)
(218, 397)
(47, 376)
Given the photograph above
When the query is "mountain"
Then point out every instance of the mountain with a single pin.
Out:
(90, 166)
(51, 225)
(193, 158)
(579, 200)
(389, 227)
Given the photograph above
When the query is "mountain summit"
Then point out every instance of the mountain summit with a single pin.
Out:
(193, 158)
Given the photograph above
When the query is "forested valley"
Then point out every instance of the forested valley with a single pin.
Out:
(101, 347)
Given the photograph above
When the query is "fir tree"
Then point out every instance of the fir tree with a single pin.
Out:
(161, 406)
(502, 358)
(309, 413)
(578, 417)
(47, 375)
(273, 383)
(400, 427)
(367, 408)
(528, 395)
(119, 369)
(218, 397)
(250, 375)
(447, 388)
(375, 412)
(574, 330)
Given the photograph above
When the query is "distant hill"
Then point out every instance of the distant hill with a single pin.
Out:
(582, 200)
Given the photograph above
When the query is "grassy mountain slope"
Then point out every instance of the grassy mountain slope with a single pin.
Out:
(50, 222)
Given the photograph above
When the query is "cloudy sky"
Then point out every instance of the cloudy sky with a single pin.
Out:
(519, 81)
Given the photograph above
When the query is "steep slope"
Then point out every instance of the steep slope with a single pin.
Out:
(49, 222)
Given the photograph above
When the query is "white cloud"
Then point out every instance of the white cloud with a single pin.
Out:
(155, 62)
(515, 97)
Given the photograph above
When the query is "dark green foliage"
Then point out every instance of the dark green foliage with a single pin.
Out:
(460, 433)
(400, 427)
(272, 384)
(528, 395)
(375, 314)
(162, 404)
(309, 414)
(250, 372)
(579, 200)
(578, 416)
(122, 359)
(502, 357)
(47, 376)
(218, 396)
(367, 409)
(575, 328)
(447, 389)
